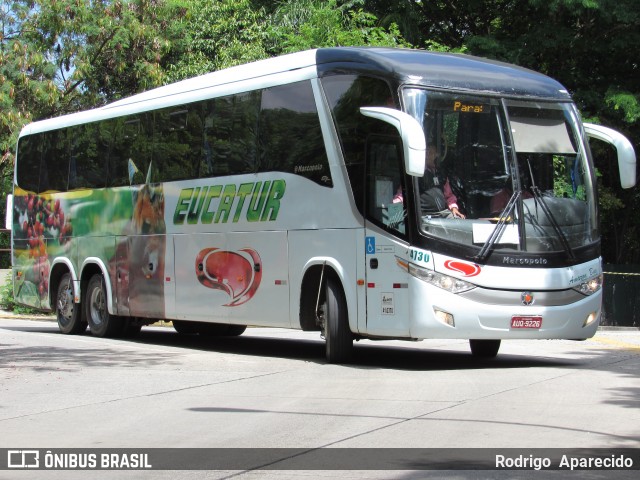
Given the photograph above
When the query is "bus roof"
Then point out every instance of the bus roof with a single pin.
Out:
(406, 66)
(444, 70)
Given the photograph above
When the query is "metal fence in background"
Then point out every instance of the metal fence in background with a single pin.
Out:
(621, 304)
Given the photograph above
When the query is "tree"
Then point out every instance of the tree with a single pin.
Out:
(230, 32)
(301, 25)
(216, 35)
(60, 56)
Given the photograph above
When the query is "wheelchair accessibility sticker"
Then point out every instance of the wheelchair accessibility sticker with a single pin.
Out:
(370, 245)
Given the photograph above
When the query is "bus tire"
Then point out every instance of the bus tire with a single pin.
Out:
(101, 322)
(220, 330)
(236, 330)
(69, 314)
(185, 327)
(130, 327)
(484, 348)
(338, 337)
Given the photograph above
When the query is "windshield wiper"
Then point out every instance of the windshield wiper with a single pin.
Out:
(545, 208)
(498, 229)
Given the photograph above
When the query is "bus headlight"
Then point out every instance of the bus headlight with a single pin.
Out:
(445, 282)
(590, 286)
(592, 317)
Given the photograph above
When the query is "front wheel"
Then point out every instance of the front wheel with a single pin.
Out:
(484, 348)
(101, 322)
(69, 314)
(338, 337)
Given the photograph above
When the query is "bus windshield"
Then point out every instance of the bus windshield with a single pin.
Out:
(503, 174)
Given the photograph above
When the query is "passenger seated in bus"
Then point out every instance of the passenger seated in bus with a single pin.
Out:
(500, 199)
(436, 196)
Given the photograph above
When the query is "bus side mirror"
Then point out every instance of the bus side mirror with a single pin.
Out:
(410, 130)
(626, 154)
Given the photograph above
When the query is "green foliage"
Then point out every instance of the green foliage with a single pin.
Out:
(562, 186)
(217, 35)
(7, 301)
(327, 24)
(625, 102)
(230, 32)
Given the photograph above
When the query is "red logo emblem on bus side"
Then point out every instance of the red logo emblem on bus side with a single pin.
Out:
(238, 274)
(466, 269)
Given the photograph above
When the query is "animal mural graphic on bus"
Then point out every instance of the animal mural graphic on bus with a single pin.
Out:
(140, 256)
(238, 273)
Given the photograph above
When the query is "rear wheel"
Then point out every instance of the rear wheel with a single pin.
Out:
(68, 313)
(236, 330)
(184, 327)
(338, 337)
(221, 330)
(131, 327)
(101, 322)
(484, 348)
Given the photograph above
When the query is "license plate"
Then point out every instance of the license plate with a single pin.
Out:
(526, 322)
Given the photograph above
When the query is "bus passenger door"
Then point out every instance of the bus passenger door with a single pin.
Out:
(385, 234)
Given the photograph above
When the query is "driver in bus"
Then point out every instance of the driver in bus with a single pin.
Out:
(436, 196)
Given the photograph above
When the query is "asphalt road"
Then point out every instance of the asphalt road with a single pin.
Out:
(272, 388)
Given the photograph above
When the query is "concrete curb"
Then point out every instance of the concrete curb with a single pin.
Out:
(44, 317)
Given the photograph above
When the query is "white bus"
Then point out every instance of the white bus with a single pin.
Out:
(365, 193)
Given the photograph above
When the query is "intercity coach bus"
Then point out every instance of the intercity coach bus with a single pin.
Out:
(365, 193)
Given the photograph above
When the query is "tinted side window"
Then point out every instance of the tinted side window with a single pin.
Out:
(130, 152)
(28, 164)
(87, 168)
(177, 147)
(230, 135)
(54, 167)
(346, 94)
(290, 135)
(117, 175)
(386, 196)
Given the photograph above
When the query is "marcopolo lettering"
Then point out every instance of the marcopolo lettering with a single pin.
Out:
(524, 261)
(255, 202)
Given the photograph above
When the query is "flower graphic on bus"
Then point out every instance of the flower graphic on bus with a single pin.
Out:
(238, 273)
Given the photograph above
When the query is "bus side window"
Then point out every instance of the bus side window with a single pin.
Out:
(111, 136)
(290, 136)
(138, 140)
(54, 169)
(130, 152)
(385, 187)
(88, 167)
(177, 142)
(346, 94)
(28, 166)
(230, 135)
